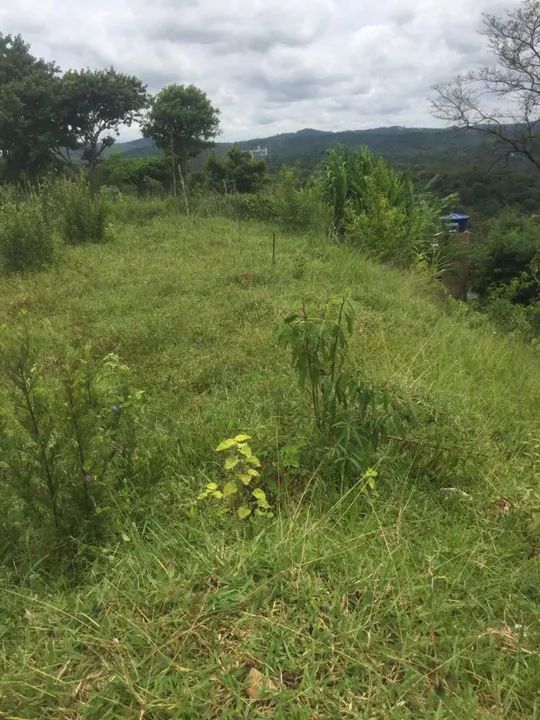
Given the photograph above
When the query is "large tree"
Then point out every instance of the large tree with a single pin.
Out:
(182, 121)
(28, 128)
(93, 105)
(503, 100)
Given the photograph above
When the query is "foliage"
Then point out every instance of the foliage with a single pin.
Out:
(236, 172)
(27, 124)
(510, 257)
(351, 416)
(241, 489)
(93, 105)
(482, 192)
(68, 439)
(376, 208)
(26, 233)
(84, 214)
(501, 100)
(143, 176)
(183, 117)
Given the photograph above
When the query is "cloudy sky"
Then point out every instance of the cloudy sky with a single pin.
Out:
(271, 65)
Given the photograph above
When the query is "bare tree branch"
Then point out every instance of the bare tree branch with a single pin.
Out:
(503, 101)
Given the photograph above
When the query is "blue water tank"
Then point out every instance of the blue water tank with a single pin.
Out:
(459, 219)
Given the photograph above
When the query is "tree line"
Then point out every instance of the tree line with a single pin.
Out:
(53, 119)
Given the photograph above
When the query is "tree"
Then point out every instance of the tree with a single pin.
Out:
(502, 101)
(92, 105)
(27, 125)
(182, 121)
(237, 171)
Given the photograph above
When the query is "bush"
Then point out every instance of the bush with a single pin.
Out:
(375, 208)
(26, 235)
(68, 440)
(84, 214)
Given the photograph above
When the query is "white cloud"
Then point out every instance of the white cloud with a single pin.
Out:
(272, 65)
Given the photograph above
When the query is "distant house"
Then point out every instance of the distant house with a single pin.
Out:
(259, 153)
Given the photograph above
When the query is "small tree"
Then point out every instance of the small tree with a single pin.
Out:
(182, 121)
(502, 101)
(93, 105)
(237, 172)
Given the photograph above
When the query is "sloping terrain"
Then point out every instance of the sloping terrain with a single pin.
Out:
(415, 600)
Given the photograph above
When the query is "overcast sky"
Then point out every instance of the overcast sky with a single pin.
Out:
(271, 65)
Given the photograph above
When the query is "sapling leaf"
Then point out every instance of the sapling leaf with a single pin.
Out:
(231, 462)
(243, 512)
(242, 438)
(260, 496)
(230, 488)
(226, 445)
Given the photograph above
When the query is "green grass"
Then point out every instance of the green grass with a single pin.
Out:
(411, 603)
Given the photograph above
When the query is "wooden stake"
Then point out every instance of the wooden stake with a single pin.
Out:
(173, 167)
(183, 187)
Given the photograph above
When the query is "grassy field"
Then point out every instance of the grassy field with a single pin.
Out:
(413, 601)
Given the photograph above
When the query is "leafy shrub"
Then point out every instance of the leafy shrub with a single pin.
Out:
(26, 234)
(84, 213)
(506, 272)
(241, 491)
(375, 208)
(68, 439)
(285, 204)
(509, 258)
(351, 417)
(236, 172)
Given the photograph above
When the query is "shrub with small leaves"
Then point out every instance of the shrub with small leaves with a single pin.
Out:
(26, 234)
(240, 490)
(84, 216)
(69, 452)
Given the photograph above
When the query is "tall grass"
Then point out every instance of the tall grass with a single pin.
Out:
(376, 208)
(26, 233)
(84, 213)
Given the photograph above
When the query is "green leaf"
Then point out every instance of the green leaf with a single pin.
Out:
(230, 488)
(242, 438)
(125, 537)
(226, 445)
(245, 450)
(217, 494)
(231, 462)
(252, 472)
(252, 460)
(244, 477)
(260, 496)
(212, 486)
(202, 495)
(243, 512)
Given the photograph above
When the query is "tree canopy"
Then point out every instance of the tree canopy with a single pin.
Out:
(28, 128)
(184, 117)
(236, 172)
(503, 100)
(92, 105)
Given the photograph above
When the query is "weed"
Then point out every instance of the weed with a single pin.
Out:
(84, 213)
(68, 439)
(241, 490)
(26, 234)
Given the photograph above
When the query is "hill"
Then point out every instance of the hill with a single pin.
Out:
(410, 594)
(403, 146)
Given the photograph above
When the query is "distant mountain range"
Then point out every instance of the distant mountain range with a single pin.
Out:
(403, 146)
